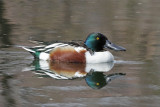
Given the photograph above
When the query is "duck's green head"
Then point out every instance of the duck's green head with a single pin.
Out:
(98, 42)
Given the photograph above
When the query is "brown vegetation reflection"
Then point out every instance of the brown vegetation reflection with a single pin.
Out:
(5, 28)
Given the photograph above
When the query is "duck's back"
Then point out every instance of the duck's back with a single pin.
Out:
(59, 52)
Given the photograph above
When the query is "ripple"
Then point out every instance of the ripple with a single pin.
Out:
(66, 88)
(61, 105)
(127, 62)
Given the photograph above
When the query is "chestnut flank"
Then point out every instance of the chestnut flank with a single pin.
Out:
(67, 54)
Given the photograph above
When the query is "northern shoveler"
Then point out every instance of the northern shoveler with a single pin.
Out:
(92, 50)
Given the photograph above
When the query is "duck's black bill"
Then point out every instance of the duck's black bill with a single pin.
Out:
(112, 46)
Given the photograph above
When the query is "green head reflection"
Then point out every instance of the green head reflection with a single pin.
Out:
(97, 80)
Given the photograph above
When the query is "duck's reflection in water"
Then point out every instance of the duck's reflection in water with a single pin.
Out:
(93, 73)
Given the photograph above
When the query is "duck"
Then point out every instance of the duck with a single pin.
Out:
(95, 49)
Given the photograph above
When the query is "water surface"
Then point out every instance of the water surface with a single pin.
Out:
(133, 24)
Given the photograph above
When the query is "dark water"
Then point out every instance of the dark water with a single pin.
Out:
(133, 24)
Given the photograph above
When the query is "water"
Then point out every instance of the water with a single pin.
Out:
(133, 24)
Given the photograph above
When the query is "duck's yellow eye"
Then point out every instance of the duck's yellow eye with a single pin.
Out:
(97, 38)
(97, 83)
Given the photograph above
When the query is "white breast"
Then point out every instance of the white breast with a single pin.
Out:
(99, 57)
